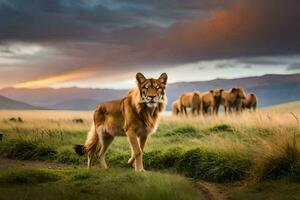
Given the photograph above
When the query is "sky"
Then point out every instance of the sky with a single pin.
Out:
(104, 43)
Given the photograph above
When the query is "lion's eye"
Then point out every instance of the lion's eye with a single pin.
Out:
(157, 87)
(146, 87)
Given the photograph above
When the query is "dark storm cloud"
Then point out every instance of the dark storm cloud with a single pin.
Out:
(248, 28)
(127, 35)
(48, 20)
(54, 20)
(169, 4)
(81, 20)
(204, 4)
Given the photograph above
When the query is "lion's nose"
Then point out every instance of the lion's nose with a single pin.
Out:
(152, 96)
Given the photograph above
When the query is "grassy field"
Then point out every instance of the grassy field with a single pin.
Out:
(286, 107)
(280, 189)
(70, 183)
(252, 148)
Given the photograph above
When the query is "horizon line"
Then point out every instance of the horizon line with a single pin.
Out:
(107, 88)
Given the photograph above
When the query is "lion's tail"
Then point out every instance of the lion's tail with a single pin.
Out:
(90, 143)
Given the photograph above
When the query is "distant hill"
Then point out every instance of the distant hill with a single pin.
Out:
(76, 104)
(286, 107)
(6, 103)
(65, 98)
(270, 89)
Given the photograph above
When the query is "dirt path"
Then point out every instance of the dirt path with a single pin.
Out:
(209, 191)
(5, 163)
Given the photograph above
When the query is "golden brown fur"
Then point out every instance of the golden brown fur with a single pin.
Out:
(134, 116)
(250, 102)
(211, 101)
(197, 103)
(176, 107)
(190, 100)
(232, 99)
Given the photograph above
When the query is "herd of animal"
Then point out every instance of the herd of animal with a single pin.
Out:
(209, 102)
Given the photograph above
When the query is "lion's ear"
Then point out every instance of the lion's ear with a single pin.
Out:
(140, 78)
(221, 90)
(211, 91)
(163, 78)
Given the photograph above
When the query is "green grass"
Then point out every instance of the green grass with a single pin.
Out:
(30, 183)
(26, 176)
(256, 149)
(27, 150)
(221, 128)
(281, 189)
(234, 148)
(212, 166)
(179, 131)
(196, 163)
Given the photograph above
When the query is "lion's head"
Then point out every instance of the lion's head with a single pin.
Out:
(152, 91)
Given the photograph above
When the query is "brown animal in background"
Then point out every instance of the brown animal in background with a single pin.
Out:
(232, 99)
(190, 100)
(176, 107)
(250, 102)
(134, 116)
(197, 103)
(211, 101)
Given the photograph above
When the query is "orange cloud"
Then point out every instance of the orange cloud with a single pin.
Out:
(246, 28)
(54, 79)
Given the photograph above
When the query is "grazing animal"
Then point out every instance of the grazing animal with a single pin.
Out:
(135, 116)
(176, 107)
(190, 100)
(211, 101)
(78, 121)
(250, 102)
(232, 99)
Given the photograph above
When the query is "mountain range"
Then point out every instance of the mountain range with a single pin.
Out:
(6, 103)
(271, 89)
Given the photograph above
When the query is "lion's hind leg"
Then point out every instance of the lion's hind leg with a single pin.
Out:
(91, 144)
(105, 140)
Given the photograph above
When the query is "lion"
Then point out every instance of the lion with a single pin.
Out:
(211, 101)
(176, 107)
(232, 99)
(134, 116)
(190, 100)
(250, 102)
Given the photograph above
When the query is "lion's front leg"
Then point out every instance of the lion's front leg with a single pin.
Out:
(131, 159)
(138, 154)
(142, 142)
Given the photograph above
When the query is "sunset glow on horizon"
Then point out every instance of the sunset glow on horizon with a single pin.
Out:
(53, 80)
